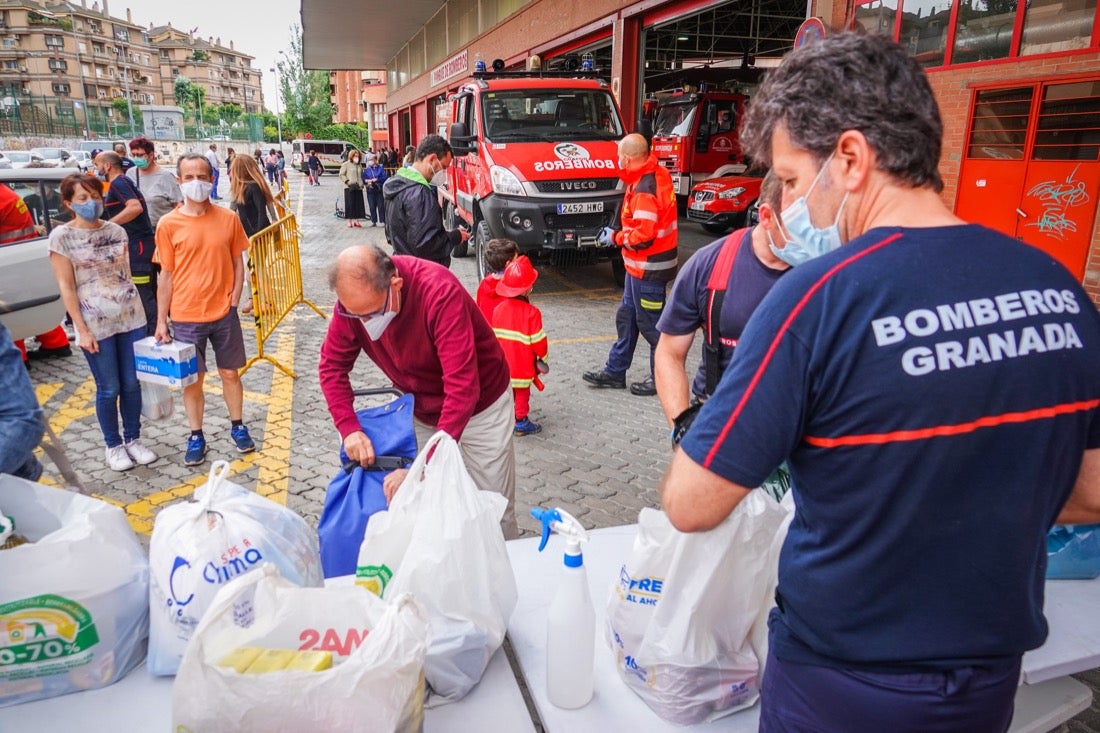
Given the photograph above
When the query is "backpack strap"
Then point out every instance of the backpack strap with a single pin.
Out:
(716, 289)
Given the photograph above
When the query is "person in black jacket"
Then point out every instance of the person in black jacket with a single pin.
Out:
(251, 196)
(414, 221)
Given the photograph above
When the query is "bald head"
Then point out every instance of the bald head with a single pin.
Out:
(633, 151)
(361, 266)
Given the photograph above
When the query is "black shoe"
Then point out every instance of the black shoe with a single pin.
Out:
(43, 353)
(602, 379)
(645, 388)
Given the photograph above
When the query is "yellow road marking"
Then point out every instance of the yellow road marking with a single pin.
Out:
(272, 458)
(79, 404)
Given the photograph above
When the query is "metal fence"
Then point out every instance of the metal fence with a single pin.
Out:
(25, 115)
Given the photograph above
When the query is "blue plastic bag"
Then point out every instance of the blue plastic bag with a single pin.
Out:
(1073, 552)
(351, 498)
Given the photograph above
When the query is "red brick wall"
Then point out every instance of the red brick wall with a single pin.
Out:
(953, 92)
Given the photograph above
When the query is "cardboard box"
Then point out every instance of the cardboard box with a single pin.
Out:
(174, 364)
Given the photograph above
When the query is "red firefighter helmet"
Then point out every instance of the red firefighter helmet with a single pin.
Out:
(519, 277)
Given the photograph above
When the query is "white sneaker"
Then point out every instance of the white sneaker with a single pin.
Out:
(118, 459)
(139, 453)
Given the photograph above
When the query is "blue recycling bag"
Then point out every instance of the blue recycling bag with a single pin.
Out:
(1073, 552)
(351, 498)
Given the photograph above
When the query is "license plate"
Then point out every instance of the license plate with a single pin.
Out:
(697, 206)
(592, 207)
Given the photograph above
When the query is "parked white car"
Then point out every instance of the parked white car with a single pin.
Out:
(30, 301)
(83, 160)
(24, 158)
(58, 157)
(4, 162)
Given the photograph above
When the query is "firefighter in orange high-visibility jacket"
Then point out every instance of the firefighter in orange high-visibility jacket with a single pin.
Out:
(518, 327)
(648, 242)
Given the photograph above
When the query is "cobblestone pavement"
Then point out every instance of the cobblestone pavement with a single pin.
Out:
(600, 455)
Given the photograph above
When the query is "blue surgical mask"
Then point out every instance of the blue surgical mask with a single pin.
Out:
(804, 240)
(88, 210)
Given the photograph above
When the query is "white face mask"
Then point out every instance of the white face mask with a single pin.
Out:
(197, 190)
(375, 326)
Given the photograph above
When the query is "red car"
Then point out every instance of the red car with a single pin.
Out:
(721, 204)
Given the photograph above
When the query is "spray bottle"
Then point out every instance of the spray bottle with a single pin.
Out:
(570, 620)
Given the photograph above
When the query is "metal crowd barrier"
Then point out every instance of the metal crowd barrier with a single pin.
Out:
(275, 269)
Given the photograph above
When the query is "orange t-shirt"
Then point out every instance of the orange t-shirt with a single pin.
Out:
(199, 251)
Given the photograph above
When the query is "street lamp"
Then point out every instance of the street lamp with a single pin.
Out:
(278, 93)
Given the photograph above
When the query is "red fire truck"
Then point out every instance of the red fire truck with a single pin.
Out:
(695, 136)
(536, 161)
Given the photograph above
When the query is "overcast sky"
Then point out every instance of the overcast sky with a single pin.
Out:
(259, 29)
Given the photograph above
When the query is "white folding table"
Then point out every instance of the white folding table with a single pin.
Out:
(1046, 698)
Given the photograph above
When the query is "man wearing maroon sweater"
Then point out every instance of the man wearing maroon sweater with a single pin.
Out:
(417, 323)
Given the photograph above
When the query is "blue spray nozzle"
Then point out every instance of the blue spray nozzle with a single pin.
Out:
(547, 517)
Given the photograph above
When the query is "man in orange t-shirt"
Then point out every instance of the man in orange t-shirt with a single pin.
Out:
(199, 247)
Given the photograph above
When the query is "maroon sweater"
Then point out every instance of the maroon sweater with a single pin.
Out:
(439, 348)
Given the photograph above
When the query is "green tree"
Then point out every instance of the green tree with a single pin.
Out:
(191, 97)
(230, 113)
(122, 112)
(305, 93)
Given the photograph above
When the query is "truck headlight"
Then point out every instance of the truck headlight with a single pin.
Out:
(505, 181)
(731, 193)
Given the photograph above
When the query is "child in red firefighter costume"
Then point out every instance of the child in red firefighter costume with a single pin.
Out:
(518, 327)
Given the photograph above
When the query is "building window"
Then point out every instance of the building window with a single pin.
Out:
(59, 65)
(54, 41)
(11, 65)
(61, 89)
(924, 30)
(122, 34)
(1056, 25)
(984, 30)
(11, 43)
(1069, 122)
(998, 129)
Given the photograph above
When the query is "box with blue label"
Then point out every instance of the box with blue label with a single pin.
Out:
(174, 364)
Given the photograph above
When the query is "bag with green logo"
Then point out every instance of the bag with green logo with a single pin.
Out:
(440, 541)
(74, 609)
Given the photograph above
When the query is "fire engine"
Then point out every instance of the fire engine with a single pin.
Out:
(535, 161)
(695, 136)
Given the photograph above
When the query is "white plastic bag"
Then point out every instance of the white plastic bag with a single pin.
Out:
(376, 682)
(197, 546)
(440, 540)
(681, 616)
(73, 600)
(156, 401)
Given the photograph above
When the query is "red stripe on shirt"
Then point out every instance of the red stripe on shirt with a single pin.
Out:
(779, 336)
(989, 421)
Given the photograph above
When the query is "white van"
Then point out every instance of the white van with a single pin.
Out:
(332, 153)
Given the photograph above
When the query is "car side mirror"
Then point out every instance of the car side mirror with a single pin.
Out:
(462, 143)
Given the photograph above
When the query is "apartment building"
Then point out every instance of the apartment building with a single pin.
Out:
(226, 74)
(76, 55)
(63, 64)
(349, 92)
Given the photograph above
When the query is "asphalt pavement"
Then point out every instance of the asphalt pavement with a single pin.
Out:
(600, 455)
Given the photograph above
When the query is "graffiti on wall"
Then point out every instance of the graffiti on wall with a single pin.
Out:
(1057, 198)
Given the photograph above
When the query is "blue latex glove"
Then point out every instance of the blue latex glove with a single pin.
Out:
(606, 237)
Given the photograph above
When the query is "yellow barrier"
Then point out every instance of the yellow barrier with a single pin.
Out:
(275, 268)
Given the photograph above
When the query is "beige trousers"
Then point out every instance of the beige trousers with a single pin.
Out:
(488, 453)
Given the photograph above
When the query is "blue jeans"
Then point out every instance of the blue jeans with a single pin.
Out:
(21, 424)
(214, 179)
(641, 308)
(117, 386)
(806, 698)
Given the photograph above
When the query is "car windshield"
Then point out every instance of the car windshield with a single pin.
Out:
(49, 152)
(18, 156)
(675, 120)
(550, 115)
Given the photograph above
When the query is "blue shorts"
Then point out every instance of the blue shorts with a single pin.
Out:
(223, 334)
(807, 698)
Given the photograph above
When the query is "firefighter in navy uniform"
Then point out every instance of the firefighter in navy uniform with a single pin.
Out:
(648, 242)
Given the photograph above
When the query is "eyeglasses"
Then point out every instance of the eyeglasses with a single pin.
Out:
(341, 311)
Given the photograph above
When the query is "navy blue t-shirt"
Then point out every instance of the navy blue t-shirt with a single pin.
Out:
(686, 308)
(934, 391)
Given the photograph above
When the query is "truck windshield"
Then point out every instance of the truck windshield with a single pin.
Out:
(675, 120)
(550, 115)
